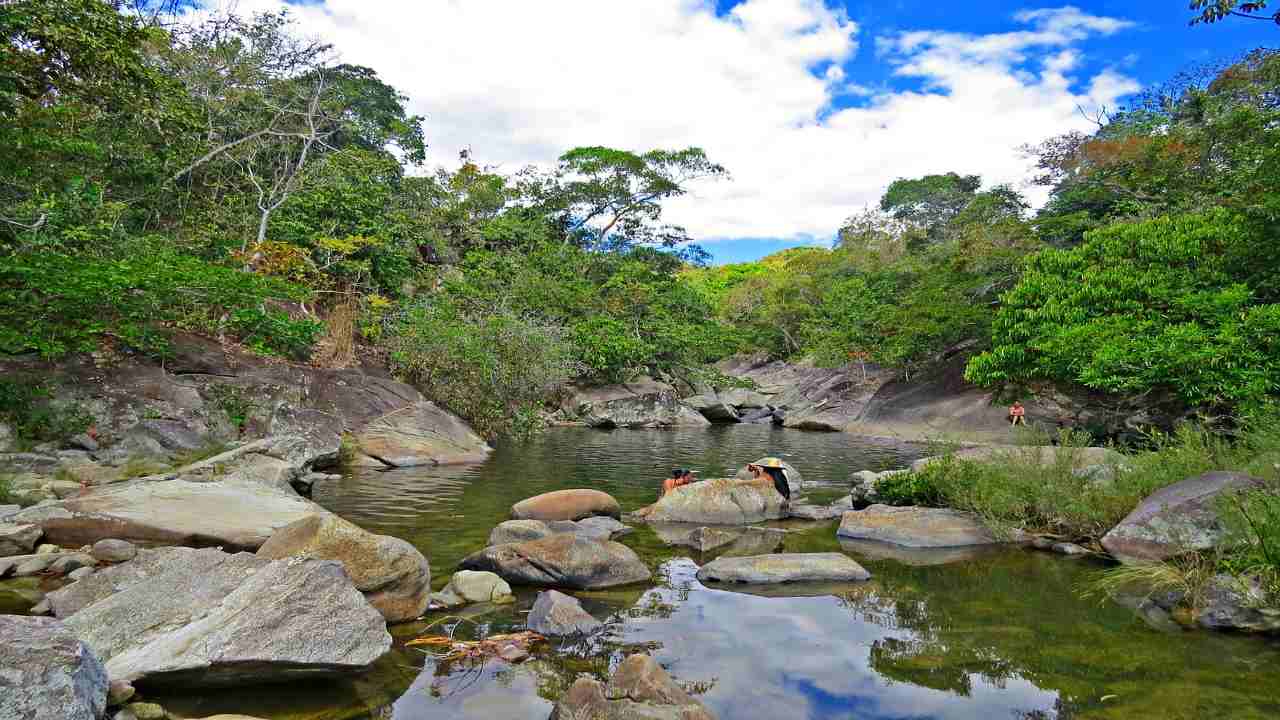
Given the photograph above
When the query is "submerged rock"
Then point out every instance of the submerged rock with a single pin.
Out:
(555, 613)
(391, 573)
(561, 561)
(717, 502)
(639, 690)
(573, 504)
(915, 527)
(209, 618)
(1175, 519)
(783, 568)
(1237, 603)
(47, 673)
(915, 556)
(744, 540)
(469, 586)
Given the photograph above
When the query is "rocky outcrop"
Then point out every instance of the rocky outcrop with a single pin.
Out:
(568, 561)
(641, 403)
(915, 527)
(1175, 519)
(209, 618)
(812, 398)
(783, 568)
(47, 673)
(573, 504)
(391, 573)
(18, 538)
(555, 613)
(717, 502)
(468, 586)
(639, 688)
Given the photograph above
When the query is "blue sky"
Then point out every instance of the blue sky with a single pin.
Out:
(814, 106)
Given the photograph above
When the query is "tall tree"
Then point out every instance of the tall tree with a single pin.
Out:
(1211, 11)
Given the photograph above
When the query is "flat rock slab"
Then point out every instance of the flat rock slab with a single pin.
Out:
(572, 504)
(172, 512)
(721, 501)
(208, 618)
(569, 561)
(1176, 519)
(47, 673)
(783, 568)
(915, 527)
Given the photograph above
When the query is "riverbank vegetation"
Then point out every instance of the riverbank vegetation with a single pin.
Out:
(223, 176)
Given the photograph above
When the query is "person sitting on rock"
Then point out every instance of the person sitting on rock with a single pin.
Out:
(1017, 414)
(679, 476)
(774, 468)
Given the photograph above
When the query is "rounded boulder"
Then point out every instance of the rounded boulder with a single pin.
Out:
(573, 504)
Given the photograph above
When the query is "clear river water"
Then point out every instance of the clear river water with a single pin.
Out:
(996, 634)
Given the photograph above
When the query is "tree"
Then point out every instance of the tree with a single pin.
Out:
(604, 198)
(1211, 11)
(930, 202)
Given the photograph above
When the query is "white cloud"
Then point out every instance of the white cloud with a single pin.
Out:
(522, 82)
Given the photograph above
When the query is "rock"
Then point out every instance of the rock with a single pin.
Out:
(561, 561)
(743, 398)
(232, 514)
(1042, 455)
(566, 505)
(514, 531)
(110, 550)
(601, 527)
(795, 481)
(760, 416)
(36, 463)
(915, 556)
(836, 509)
(718, 502)
(423, 434)
(7, 510)
(18, 538)
(80, 573)
(639, 690)
(88, 473)
(713, 408)
(1175, 519)
(83, 442)
(1241, 604)
(915, 527)
(46, 673)
(391, 573)
(34, 565)
(209, 618)
(729, 540)
(469, 586)
(782, 568)
(173, 435)
(119, 692)
(104, 583)
(642, 403)
(1066, 548)
(147, 711)
(48, 549)
(555, 613)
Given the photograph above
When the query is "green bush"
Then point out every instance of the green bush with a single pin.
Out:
(26, 407)
(913, 488)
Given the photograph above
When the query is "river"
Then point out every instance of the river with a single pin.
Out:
(1001, 634)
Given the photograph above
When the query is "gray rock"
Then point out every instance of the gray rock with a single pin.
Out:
(18, 538)
(717, 502)
(1240, 604)
(80, 573)
(745, 399)
(83, 442)
(713, 408)
(1175, 519)
(46, 673)
(110, 550)
(469, 586)
(555, 613)
(731, 540)
(7, 510)
(639, 690)
(601, 527)
(214, 619)
(915, 556)
(514, 531)
(70, 562)
(393, 574)
(1066, 548)
(37, 463)
(173, 435)
(108, 581)
(34, 565)
(915, 527)
(759, 416)
(836, 509)
(641, 403)
(561, 561)
(783, 568)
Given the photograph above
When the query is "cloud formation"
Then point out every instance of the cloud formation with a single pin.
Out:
(759, 88)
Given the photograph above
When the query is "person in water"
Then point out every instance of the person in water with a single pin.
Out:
(776, 471)
(679, 476)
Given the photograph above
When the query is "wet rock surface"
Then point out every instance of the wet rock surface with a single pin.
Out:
(568, 561)
(721, 501)
(783, 568)
(555, 613)
(572, 504)
(915, 527)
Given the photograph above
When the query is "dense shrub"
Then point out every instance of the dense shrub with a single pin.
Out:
(26, 407)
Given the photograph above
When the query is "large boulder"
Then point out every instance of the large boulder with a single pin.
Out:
(639, 690)
(47, 673)
(915, 527)
(1175, 519)
(209, 618)
(422, 434)
(18, 538)
(783, 568)
(147, 564)
(574, 504)
(564, 560)
(795, 481)
(555, 613)
(470, 586)
(597, 527)
(713, 408)
(718, 502)
(641, 403)
(391, 573)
